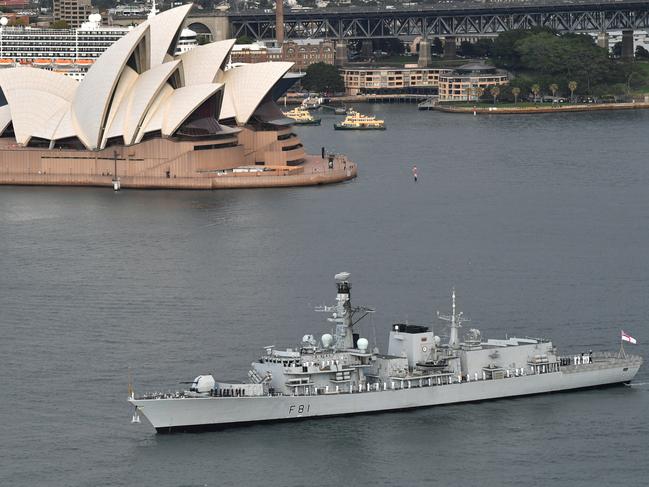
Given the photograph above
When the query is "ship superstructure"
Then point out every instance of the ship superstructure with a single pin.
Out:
(339, 374)
(70, 51)
(358, 121)
(301, 116)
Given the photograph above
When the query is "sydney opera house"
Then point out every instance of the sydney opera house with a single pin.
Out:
(153, 120)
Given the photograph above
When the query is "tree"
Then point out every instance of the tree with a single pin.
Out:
(60, 24)
(479, 92)
(572, 86)
(516, 91)
(323, 78)
(617, 50)
(244, 40)
(536, 89)
(641, 53)
(495, 91)
(503, 52)
(553, 88)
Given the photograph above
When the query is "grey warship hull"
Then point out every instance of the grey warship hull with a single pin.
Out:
(204, 413)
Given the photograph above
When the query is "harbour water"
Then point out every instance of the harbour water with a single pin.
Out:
(540, 222)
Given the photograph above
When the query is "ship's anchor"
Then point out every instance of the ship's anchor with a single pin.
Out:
(136, 416)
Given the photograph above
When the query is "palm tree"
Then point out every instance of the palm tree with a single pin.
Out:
(495, 91)
(479, 92)
(553, 88)
(516, 91)
(471, 91)
(572, 86)
(536, 89)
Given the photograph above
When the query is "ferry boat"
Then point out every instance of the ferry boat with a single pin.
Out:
(358, 121)
(338, 373)
(312, 103)
(300, 116)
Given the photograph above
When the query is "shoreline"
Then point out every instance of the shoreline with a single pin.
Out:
(495, 110)
(314, 172)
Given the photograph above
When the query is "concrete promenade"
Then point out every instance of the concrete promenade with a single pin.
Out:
(314, 171)
(544, 108)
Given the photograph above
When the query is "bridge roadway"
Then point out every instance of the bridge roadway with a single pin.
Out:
(462, 18)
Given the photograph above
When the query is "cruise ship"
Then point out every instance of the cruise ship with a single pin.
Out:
(69, 51)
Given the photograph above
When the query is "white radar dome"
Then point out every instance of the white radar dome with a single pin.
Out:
(342, 276)
(437, 340)
(362, 344)
(327, 340)
(94, 17)
(4, 21)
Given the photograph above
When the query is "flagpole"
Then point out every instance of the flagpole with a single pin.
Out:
(621, 353)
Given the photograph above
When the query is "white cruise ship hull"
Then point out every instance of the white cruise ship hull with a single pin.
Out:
(196, 413)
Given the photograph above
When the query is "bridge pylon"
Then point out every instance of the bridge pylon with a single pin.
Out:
(424, 53)
(450, 47)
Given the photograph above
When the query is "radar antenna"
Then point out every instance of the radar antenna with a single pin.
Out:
(456, 320)
(343, 314)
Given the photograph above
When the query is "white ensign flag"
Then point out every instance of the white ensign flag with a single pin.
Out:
(628, 338)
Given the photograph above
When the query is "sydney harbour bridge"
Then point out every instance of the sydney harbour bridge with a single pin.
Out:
(461, 18)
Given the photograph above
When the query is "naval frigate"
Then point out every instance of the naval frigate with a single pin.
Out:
(339, 375)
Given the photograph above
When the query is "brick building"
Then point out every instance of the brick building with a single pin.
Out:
(249, 53)
(304, 52)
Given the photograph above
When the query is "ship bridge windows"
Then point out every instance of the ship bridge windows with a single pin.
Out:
(404, 328)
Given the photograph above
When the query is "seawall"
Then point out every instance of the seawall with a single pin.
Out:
(496, 110)
(315, 171)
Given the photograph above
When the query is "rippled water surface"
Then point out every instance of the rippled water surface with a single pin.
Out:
(540, 222)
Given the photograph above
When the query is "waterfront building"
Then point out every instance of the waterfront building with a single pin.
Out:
(464, 82)
(74, 12)
(391, 80)
(147, 116)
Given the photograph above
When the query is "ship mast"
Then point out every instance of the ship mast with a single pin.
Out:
(343, 314)
(456, 320)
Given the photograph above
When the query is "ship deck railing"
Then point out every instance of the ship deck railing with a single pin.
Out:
(600, 361)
